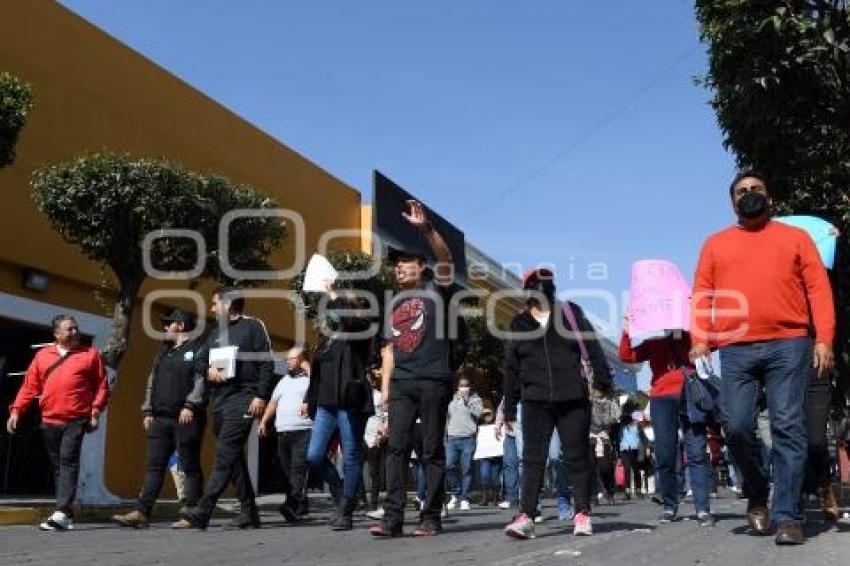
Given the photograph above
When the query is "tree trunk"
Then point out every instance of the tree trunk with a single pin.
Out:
(119, 337)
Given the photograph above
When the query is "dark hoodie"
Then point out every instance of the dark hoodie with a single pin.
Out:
(548, 367)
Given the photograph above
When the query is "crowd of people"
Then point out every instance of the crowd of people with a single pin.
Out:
(414, 414)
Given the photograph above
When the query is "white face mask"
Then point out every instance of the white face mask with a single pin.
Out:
(463, 390)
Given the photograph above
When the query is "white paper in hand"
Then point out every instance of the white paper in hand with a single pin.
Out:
(224, 359)
(319, 271)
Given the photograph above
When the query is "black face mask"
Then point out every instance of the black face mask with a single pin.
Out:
(545, 286)
(752, 205)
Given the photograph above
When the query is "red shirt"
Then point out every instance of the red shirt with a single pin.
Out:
(665, 357)
(759, 285)
(76, 389)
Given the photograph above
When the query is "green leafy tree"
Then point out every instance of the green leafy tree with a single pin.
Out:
(106, 203)
(486, 354)
(780, 76)
(15, 106)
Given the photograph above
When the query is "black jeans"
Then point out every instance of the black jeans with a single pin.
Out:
(539, 419)
(232, 426)
(292, 452)
(164, 436)
(818, 466)
(64, 443)
(604, 469)
(428, 400)
(376, 457)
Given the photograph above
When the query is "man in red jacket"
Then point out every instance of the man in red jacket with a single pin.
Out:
(761, 293)
(71, 381)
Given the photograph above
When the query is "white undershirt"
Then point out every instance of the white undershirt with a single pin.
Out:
(62, 351)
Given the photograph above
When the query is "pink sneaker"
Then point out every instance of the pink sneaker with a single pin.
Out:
(582, 528)
(522, 527)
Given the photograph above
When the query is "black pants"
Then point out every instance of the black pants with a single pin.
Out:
(632, 469)
(604, 470)
(428, 400)
(232, 426)
(376, 457)
(539, 419)
(818, 467)
(292, 453)
(164, 436)
(64, 443)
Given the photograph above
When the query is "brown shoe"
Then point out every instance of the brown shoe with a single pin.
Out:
(789, 533)
(182, 524)
(133, 519)
(759, 520)
(828, 504)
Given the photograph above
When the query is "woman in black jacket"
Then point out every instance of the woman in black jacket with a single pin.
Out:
(547, 368)
(339, 398)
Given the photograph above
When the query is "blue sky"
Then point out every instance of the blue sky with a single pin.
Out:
(549, 131)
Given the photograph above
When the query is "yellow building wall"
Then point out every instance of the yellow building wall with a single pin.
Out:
(93, 93)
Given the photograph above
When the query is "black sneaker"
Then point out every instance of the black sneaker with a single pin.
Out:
(249, 520)
(668, 516)
(705, 519)
(383, 530)
(287, 513)
(192, 518)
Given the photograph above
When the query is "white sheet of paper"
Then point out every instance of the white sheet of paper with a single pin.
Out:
(486, 445)
(319, 271)
(224, 359)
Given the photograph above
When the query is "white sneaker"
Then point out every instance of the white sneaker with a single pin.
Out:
(58, 521)
(377, 514)
(504, 505)
(538, 519)
(452, 503)
(464, 505)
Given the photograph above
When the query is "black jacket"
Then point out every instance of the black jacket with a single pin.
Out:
(338, 377)
(254, 377)
(548, 367)
(176, 381)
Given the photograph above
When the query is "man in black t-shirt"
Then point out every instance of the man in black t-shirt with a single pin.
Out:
(417, 376)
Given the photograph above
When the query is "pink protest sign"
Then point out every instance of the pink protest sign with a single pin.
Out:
(659, 298)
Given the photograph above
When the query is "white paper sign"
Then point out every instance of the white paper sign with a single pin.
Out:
(486, 445)
(224, 359)
(319, 272)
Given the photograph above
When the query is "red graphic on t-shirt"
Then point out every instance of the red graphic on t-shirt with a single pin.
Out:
(408, 324)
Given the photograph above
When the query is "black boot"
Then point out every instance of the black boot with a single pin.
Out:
(343, 519)
(248, 518)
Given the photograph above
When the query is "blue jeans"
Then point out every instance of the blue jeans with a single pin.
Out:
(699, 464)
(490, 470)
(784, 367)
(665, 425)
(459, 452)
(559, 467)
(351, 431)
(510, 466)
(421, 484)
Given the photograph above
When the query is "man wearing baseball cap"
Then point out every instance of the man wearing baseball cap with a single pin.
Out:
(417, 375)
(173, 414)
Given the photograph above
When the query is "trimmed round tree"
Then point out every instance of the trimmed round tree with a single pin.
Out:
(107, 203)
(15, 106)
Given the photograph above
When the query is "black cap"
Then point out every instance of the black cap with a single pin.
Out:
(409, 252)
(182, 316)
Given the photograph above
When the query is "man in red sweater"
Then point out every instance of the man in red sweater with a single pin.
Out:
(760, 293)
(71, 382)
